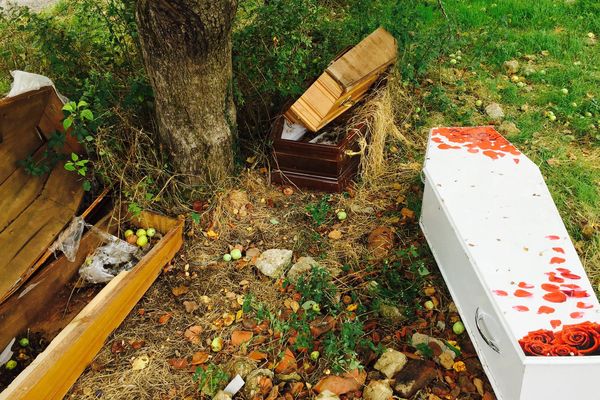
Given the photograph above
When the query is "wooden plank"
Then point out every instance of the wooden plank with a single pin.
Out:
(33, 231)
(51, 122)
(377, 50)
(22, 309)
(19, 138)
(54, 371)
(17, 192)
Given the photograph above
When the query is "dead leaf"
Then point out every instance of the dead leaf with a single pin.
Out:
(190, 306)
(164, 318)
(407, 213)
(335, 234)
(287, 364)
(118, 346)
(239, 337)
(381, 240)
(199, 357)
(212, 234)
(140, 362)
(192, 334)
(257, 355)
(288, 191)
(137, 344)
(180, 290)
(178, 363)
(228, 319)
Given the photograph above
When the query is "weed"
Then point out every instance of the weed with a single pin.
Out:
(211, 379)
(319, 211)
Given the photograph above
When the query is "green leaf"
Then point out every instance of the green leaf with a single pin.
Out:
(82, 103)
(195, 217)
(69, 166)
(87, 114)
(74, 157)
(67, 123)
(70, 106)
(87, 185)
(89, 138)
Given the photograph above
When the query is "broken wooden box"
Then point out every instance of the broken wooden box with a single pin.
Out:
(37, 291)
(311, 160)
(510, 266)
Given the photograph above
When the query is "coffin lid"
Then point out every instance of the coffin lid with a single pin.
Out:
(502, 212)
(345, 81)
(33, 209)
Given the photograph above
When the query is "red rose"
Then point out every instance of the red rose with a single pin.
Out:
(584, 337)
(542, 335)
(563, 350)
(535, 348)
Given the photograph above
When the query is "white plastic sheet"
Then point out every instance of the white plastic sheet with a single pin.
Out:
(26, 82)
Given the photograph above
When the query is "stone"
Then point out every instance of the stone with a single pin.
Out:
(443, 355)
(327, 395)
(240, 366)
(391, 313)
(302, 266)
(340, 384)
(528, 70)
(494, 111)
(273, 262)
(391, 362)
(446, 359)
(512, 67)
(222, 395)
(414, 376)
(257, 381)
(508, 129)
(378, 390)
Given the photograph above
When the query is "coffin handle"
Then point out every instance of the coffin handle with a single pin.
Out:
(481, 328)
(351, 153)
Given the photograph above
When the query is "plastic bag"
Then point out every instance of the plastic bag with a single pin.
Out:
(68, 240)
(109, 260)
(26, 82)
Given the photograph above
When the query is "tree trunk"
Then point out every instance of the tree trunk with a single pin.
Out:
(186, 46)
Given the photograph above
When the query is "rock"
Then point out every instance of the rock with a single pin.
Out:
(240, 366)
(381, 240)
(494, 111)
(508, 129)
(327, 395)
(413, 377)
(390, 362)
(391, 313)
(443, 355)
(257, 382)
(303, 266)
(340, 384)
(378, 390)
(273, 262)
(528, 70)
(512, 67)
(222, 395)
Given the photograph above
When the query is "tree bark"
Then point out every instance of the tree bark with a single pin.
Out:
(186, 46)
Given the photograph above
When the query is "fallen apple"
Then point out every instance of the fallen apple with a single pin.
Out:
(150, 232)
(458, 328)
(132, 239)
(236, 254)
(10, 365)
(141, 232)
(429, 305)
(217, 344)
(227, 257)
(142, 241)
(341, 215)
(128, 233)
(24, 342)
(314, 355)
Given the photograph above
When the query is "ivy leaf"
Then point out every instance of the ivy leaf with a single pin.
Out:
(74, 157)
(70, 106)
(82, 103)
(87, 114)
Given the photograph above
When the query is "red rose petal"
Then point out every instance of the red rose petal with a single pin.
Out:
(581, 304)
(500, 292)
(521, 308)
(570, 286)
(555, 297)
(522, 293)
(566, 270)
(576, 315)
(525, 285)
(516, 160)
(554, 278)
(552, 237)
(570, 276)
(550, 287)
(555, 323)
(445, 146)
(559, 250)
(545, 310)
(557, 260)
(580, 294)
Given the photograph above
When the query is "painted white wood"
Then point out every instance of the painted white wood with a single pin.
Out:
(498, 239)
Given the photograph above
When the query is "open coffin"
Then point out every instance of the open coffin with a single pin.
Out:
(39, 291)
(510, 266)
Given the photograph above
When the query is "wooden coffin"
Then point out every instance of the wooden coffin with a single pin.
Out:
(323, 167)
(511, 267)
(344, 82)
(45, 297)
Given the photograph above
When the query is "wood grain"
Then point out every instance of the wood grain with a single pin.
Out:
(54, 371)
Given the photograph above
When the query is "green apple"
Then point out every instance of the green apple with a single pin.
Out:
(236, 254)
(314, 355)
(24, 342)
(128, 233)
(227, 257)
(141, 232)
(341, 215)
(142, 241)
(458, 328)
(10, 365)
(429, 305)
(150, 232)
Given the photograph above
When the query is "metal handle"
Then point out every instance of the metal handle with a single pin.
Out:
(347, 102)
(480, 324)
(351, 153)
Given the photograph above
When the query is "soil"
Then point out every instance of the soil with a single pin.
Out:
(23, 355)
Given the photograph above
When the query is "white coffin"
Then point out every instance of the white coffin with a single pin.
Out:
(497, 237)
